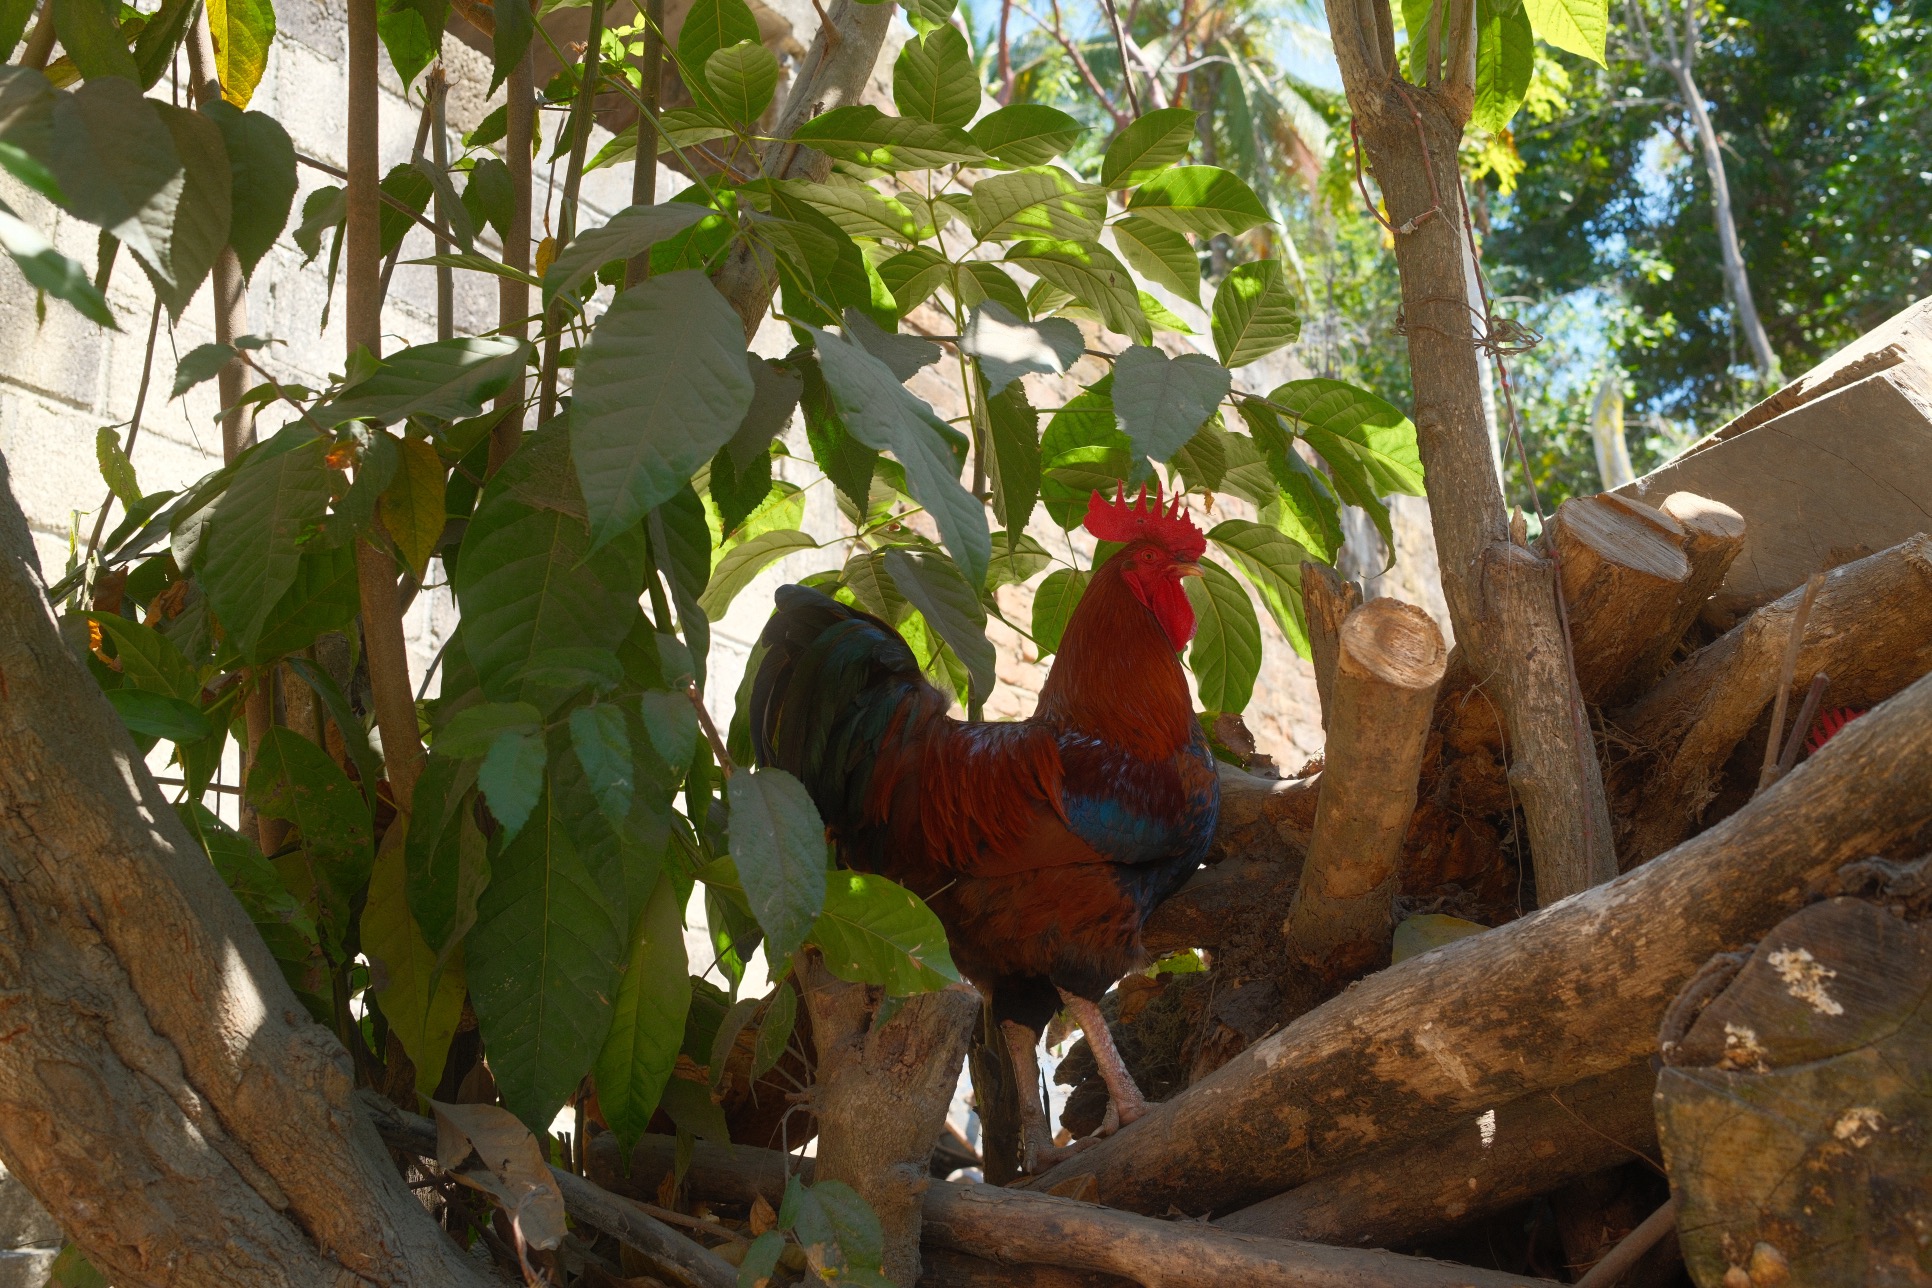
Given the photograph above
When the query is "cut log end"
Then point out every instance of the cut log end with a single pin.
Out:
(1393, 643)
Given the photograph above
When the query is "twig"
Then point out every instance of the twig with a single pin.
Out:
(1774, 741)
(725, 764)
(439, 156)
(1801, 729)
(644, 167)
(393, 202)
(1634, 1245)
(208, 787)
(582, 113)
(423, 122)
(133, 426)
(1126, 64)
(1005, 55)
(1057, 31)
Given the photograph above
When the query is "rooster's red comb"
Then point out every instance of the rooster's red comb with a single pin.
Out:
(1124, 520)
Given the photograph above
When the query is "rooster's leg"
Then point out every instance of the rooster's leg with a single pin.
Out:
(1122, 1092)
(1037, 1150)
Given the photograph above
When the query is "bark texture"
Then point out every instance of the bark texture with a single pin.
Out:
(1411, 135)
(1389, 660)
(880, 1094)
(1569, 992)
(1870, 630)
(1326, 600)
(161, 1090)
(1483, 1165)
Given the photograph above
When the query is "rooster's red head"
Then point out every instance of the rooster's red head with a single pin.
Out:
(1162, 547)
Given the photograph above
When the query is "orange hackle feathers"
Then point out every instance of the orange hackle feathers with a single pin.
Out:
(1124, 520)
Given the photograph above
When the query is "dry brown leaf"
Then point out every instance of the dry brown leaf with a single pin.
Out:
(762, 1217)
(487, 1149)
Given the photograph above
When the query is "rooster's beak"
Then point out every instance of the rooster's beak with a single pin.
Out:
(1188, 570)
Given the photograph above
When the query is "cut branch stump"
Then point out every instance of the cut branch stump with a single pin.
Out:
(1624, 571)
(1326, 601)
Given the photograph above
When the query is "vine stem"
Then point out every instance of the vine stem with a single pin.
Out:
(513, 294)
(725, 763)
(583, 112)
(133, 426)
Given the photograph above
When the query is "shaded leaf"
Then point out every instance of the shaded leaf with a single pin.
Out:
(421, 1003)
(1053, 605)
(1091, 275)
(1162, 402)
(778, 843)
(933, 585)
(250, 553)
(412, 504)
(742, 78)
(934, 78)
(1161, 254)
(647, 1019)
(862, 133)
(511, 777)
(445, 379)
(1008, 347)
(1272, 562)
(48, 270)
(744, 562)
(603, 747)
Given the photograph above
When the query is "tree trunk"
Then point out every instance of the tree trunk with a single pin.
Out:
(1411, 136)
(162, 1092)
(880, 1094)
(1507, 1155)
(1563, 994)
(1326, 601)
(838, 66)
(1389, 661)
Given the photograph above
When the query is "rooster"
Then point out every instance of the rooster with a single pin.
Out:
(1043, 844)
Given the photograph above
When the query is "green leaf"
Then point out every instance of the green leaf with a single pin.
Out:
(202, 216)
(1161, 254)
(92, 37)
(444, 380)
(117, 471)
(1162, 402)
(904, 355)
(914, 275)
(293, 779)
(1016, 563)
(479, 264)
(515, 25)
(1254, 313)
(855, 1226)
(491, 196)
(1200, 199)
(883, 414)
(874, 931)
(1008, 347)
(447, 855)
(862, 133)
(603, 747)
(412, 504)
(934, 78)
(761, 1260)
(1226, 654)
(471, 731)
(250, 553)
(1013, 457)
(1203, 459)
(14, 16)
(1306, 508)
(647, 1020)
(1368, 443)
(243, 31)
(1579, 26)
(778, 843)
(148, 659)
(422, 1003)
(1162, 318)
(115, 160)
(1044, 201)
(1090, 274)
(528, 583)
(156, 715)
(742, 564)
(1505, 60)
(1053, 605)
(711, 25)
(1425, 21)
(671, 723)
(775, 1030)
(1153, 143)
(742, 78)
(199, 365)
(1026, 133)
(449, 205)
(412, 32)
(323, 597)
(511, 778)
(1272, 563)
(411, 190)
(543, 964)
(288, 931)
(857, 208)
(323, 210)
(933, 585)
(48, 270)
(661, 387)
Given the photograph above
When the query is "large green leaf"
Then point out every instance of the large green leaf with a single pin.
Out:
(92, 37)
(778, 844)
(543, 964)
(933, 585)
(1013, 457)
(1161, 402)
(1026, 133)
(261, 167)
(911, 276)
(243, 31)
(527, 580)
(250, 554)
(1580, 26)
(1200, 199)
(630, 232)
(862, 133)
(934, 79)
(1053, 604)
(1254, 313)
(323, 597)
(1081, 451)
(1044, 201)
(711, 25)
(511, 778)
(1091, 275)
(1273, 563)
(883, 414)
(647, 1022)
(116, 163)
(471, 730)
(1505, 60)
(1226, 654)
(744, 562)
(294, 780)
(742, 78)
(661, 387)
(1153, 143)
(201, 217)
(288, 931)
(1009, 347)
(874, 931)
(1203, 459)
(1161, 254)
(422, 1003)
(148, 660)
(603, 745)
(859, 209)
(157, 715)
(1368, 443)
(412, 33)
(447, 856)
(445, 380)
